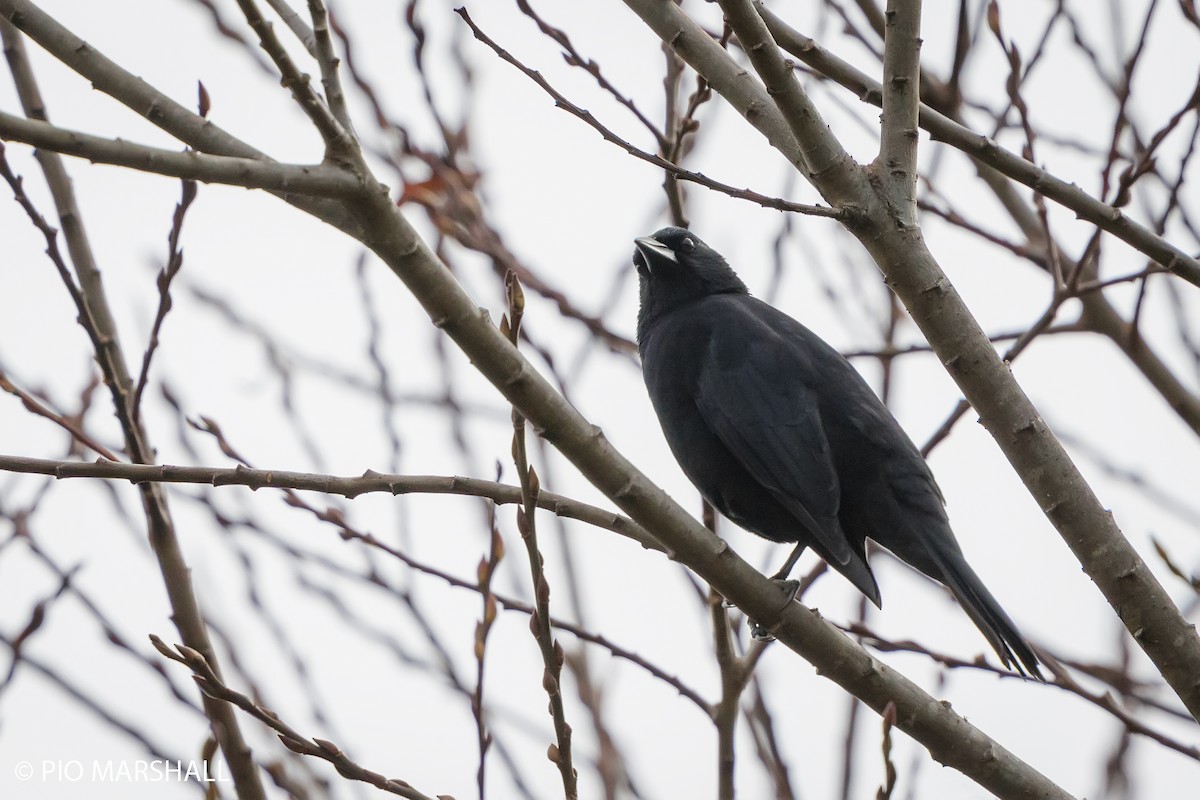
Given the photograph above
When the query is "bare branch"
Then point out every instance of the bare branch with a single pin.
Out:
(253, 173)
(573, 57)
(107, 76)
(168, 273)
(485, 572)
(296, 25)
(338, 141)
(70, 426)
(724, 711)
(328, 60)
(349, 487)
(897, 164)
(822, 154)
(553, 655)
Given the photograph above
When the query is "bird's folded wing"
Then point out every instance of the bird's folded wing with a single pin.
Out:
(769, 420)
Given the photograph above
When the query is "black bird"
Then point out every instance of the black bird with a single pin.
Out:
(785, 438)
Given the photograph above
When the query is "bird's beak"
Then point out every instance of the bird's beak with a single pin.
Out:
(655, 252)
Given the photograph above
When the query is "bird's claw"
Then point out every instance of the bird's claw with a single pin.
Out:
(759, 632)
(789, 586)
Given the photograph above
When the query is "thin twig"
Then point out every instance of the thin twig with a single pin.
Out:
(889, 768)
(212, 685)
(68, 424)
(552, 652)
(485, 572)
(346, 486)
(576, 59)
(168, 273)
(684, 174)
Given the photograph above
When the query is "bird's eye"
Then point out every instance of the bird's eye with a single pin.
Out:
(687, 245)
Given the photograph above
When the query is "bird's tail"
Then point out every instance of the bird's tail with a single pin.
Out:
(986, 613)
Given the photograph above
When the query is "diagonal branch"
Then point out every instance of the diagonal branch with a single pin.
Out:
(830, 168)
(71, 426)
(338, 141)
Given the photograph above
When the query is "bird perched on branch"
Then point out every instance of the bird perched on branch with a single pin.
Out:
(785, 438)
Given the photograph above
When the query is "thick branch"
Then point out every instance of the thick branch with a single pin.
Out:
(897, 165)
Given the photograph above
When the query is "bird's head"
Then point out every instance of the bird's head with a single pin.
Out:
(676, 268)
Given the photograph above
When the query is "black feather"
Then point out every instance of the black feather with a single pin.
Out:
(784, 437)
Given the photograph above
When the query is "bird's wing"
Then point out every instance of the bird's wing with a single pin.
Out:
(752, 397)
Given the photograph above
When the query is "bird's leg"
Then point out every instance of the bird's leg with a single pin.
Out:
(790, 586)
(781, 577)
(788, 565)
